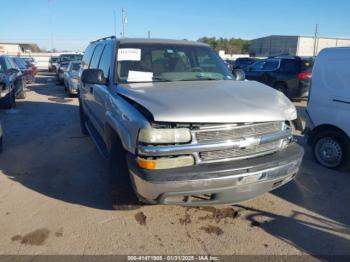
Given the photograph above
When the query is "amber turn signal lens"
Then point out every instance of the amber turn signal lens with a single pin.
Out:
(146, 164)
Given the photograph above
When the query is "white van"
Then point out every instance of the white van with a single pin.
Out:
(328, 110)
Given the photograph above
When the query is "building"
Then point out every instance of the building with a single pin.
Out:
(293, 45)
(18, 48)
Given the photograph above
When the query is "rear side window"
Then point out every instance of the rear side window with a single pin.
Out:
(290, 66)
(106, 60)
(3, 67)
(87, 56)
(96, 56)
(271, 65)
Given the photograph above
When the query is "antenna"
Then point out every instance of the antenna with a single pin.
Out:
(115, 23)
(124, 22)
(316, 40)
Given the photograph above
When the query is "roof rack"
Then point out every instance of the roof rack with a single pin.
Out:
(102, 39)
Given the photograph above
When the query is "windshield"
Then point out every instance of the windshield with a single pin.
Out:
(162, 62)
(20, 62)
(66, 58)
(75, 67)
(244, 62)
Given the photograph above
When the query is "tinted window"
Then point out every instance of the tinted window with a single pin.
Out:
(3, 67)
(96, 56)
(67, 58)
(244, 62)
(106, 60)
(12, 63)
(87, 56)
(270, 65)
(290, 66)
(258, 66)
(20, 63)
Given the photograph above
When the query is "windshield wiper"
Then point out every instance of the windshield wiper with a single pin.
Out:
(161, 79)
(201, 79)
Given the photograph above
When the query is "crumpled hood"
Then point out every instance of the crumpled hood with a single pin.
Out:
(210, 101)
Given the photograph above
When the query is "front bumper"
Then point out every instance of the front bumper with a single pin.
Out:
(73, 86)
(216, 183)
(4, 93)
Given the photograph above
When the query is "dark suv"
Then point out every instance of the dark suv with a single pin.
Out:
(290, 75)
(11, 82)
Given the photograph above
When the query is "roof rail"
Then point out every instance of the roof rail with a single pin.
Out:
(105, 38)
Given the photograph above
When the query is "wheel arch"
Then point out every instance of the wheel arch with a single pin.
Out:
(324, 127)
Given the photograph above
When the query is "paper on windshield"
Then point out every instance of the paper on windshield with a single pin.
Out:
(139, 76)
(129, 54)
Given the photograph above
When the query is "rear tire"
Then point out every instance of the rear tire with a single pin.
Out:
(83, 120)
(282, 88)
(331, 149)
(10, 100)
(1, 145)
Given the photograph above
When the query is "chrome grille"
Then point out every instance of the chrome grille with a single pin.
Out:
(237, 132)
(237, 153)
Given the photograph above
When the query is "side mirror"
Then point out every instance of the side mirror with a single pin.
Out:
(93, 76)
(238, 74)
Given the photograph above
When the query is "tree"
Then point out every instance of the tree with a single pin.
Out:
(230, 46)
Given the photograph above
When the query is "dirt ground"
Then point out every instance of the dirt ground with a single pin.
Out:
(55, 198)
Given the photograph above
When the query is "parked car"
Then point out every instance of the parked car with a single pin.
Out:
(328, 110)
(230, 64)
(71, 78)
(11, 83)
(290, 75)
(1, 139)
(63, 62)
(178, 128)
(244, 62)
(32, 64)
(20, 81)
(53, 63)
(25, 69)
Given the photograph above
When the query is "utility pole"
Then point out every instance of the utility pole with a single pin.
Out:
(149, 34)
(50, 23)
(115, 23)
(316, 40)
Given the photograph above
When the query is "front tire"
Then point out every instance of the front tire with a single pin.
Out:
(124, 196)
(331, 149)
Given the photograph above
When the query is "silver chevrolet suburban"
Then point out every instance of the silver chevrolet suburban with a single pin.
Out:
(178, 128)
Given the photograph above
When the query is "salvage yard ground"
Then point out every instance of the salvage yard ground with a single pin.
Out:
(55, 198)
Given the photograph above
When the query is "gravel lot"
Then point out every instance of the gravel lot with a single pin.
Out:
(55, 198)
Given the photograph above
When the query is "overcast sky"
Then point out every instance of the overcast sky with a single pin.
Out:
(71, 24)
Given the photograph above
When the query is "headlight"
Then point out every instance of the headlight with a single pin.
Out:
(165, 136)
